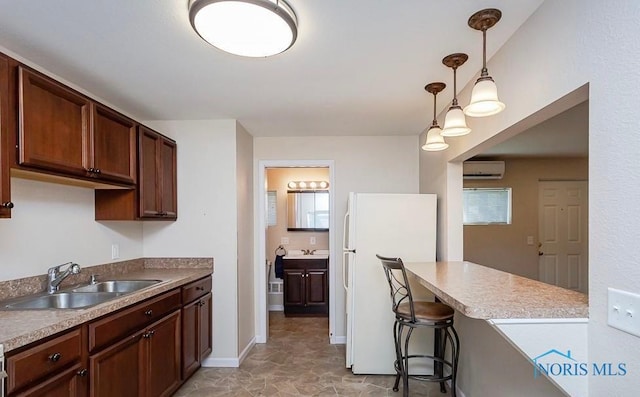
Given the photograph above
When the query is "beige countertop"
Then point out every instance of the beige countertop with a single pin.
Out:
(21, 327)
(484, 293)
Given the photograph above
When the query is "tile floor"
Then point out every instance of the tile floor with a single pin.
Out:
(297, 361)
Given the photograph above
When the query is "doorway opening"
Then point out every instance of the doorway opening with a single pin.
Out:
(294, 269)
(546, 169)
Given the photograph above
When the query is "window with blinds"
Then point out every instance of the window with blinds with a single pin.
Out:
(486, 206)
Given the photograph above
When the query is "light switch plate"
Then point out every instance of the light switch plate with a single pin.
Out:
(529, 240)
(312, 240)
(284, 240)
(115, 251)
(624, 311)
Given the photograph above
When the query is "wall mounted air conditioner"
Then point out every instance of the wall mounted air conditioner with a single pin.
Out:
(483, 169)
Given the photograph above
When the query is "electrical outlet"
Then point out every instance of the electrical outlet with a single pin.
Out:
(115, 251)
(312, 240)
(529, 240)
(284, 240)
(624, 311)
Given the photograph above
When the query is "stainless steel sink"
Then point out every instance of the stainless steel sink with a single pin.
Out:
(78, 297)
(61, 300)
(121, 286)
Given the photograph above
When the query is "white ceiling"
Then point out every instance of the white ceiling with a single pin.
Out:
(565, 135)
(357, 68)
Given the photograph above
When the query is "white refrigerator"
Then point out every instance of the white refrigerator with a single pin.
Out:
(393, 225)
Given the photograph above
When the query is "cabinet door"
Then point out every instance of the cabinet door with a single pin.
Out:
(163, 348)
(53, 125)
(206, 326)
(294, 287)
(113, 144)
(316, 287)
(5, 193)
(190, 339)
(119, 369)
(168, 199)
(70, 383)
(149, 183)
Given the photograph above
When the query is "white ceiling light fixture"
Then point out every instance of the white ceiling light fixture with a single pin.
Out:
(435, 141)
(250, 28)
(455, 123)
(484, 96)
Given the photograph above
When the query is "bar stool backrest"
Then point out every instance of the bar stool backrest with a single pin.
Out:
(398, 285)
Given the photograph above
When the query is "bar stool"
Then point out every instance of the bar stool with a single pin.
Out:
(411, 315)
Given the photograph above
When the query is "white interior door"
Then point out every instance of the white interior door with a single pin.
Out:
(563, 234)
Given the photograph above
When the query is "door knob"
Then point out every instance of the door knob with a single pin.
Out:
(540, 253)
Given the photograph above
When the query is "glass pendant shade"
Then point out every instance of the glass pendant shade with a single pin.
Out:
(484, 99)
(435, 141)
(251, 28)
(455, 123)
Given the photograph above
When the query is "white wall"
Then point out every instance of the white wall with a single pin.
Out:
(563, 46)
(207, 217)
(362, 164)
(246, 293)
(52, 224)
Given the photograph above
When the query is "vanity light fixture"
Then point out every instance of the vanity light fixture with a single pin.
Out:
(455, 123)
(484, 96)
(250, 28)
(308, 185)
(435, 141)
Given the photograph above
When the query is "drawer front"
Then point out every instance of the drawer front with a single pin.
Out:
(127, 321)
(43, 359)
(195, 290)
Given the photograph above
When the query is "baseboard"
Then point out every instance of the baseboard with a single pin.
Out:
(276, 308)
(247, 349)
(338, 340)
(459, 392)
(218, 362)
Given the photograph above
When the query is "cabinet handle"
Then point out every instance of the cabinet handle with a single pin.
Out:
(97, 170)
(201, 303)
(55, 357)
(149, 334)
(83, 372)
(199, 288)
(148, 312)
(7, 204)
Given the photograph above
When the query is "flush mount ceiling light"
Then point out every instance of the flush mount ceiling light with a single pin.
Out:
(435, 141)
(250, 28)
(454, 122)
(484, 97)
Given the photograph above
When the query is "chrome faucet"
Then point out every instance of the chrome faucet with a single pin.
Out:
(55, 277)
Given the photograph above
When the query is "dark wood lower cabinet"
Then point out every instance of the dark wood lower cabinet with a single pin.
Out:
(306, 287)
(69, 383)
(163, 356)
(145, 350)
(196, 327)
(118, 369)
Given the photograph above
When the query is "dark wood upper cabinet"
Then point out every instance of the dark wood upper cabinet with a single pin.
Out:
(65, 133)
(5, 185)
(156, 195)
(113, 145)
(53, 125)
(158, 183)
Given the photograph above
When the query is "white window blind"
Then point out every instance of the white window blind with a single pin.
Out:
(272, 214)
(484, 206)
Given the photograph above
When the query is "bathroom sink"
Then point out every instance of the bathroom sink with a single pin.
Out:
(122, 286)
(61, 300)
(311, 256)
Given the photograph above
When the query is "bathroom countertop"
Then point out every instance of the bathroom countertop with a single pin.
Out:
(484, 293)
(21, 327)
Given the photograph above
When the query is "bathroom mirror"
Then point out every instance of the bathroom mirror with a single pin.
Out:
(307, 210)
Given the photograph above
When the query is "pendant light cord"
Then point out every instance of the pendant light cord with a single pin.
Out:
(455, 87)
(485, 72)
(434, 122)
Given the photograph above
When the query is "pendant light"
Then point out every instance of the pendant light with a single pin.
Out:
(435, 141)
(454, 121)
(251, 28)
(484, 97)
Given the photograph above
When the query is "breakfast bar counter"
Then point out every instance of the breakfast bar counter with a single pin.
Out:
(484, 293)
